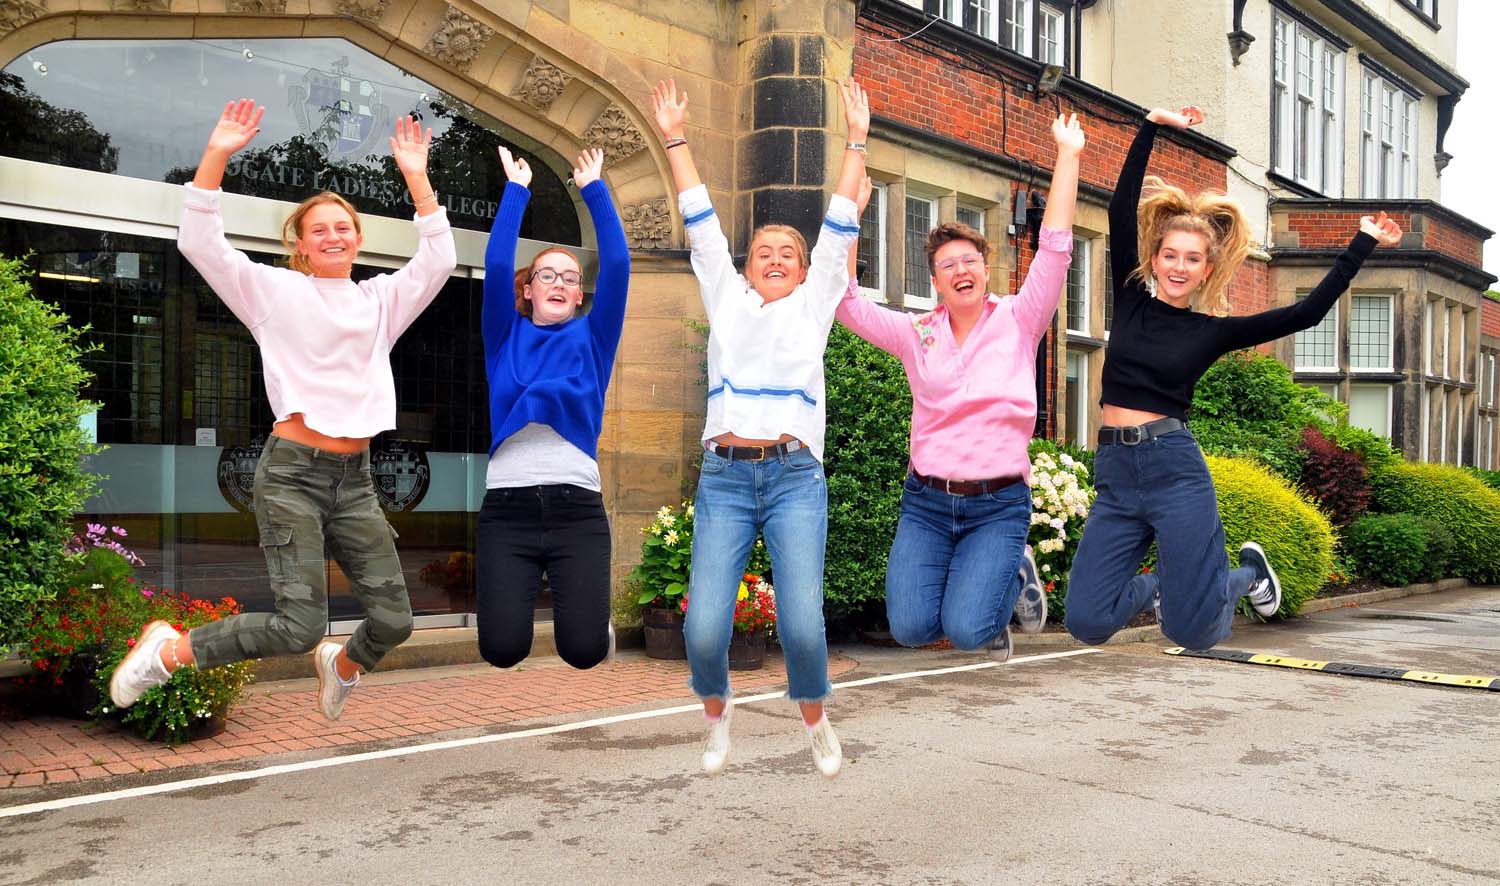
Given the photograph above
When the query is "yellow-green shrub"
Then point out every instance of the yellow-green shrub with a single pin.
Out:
(1453, 497)
(1257, 505)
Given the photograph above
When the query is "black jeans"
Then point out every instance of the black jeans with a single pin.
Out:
(525, 531)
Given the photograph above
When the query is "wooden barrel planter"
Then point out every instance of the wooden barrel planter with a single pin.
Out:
(663, 630)
(747, 650)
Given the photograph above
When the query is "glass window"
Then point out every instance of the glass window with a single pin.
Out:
(1463, 345)
(1429, 328)
(1445, 368)
(971, 216)
(871, 249)
(1489, 444)
(1078, 288)
(1076, 417)
(979, 17)
(1306, 98)
(1370, 332)
(1388, 138)
(1317, 348)
(1108, 293)
(1050, 35)
(1016, 33)
(1442, 418)
(920, 212)
(1490, 393)
(143, 108)
(1370, 408)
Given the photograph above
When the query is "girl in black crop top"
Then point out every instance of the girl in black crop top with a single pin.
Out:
(1151, 479)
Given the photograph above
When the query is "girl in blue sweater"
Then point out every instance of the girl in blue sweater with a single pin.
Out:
(548, 367)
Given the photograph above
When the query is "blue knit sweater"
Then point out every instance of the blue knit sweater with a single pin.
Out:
(555, 375)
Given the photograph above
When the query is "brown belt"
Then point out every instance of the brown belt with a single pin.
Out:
(755, 453)
(965, 487)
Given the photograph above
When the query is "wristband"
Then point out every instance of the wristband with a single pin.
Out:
(675, 142)
(430, 197)
(856, 146)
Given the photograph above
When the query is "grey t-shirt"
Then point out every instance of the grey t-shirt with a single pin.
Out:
(536, 455)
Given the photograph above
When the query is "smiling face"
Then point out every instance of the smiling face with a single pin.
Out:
(557, 300)
(328, 240)
(777, 262)
(1180, 266)
(960, 274)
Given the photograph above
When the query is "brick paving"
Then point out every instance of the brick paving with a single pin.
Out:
(271, 721)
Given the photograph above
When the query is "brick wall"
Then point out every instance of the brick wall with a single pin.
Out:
(1451, 240)
(1319, 230)
(1489, 320)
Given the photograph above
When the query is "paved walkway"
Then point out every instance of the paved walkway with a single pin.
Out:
(278, 718)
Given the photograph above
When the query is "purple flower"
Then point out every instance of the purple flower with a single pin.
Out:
(119, 530)
(96, 529)
(147, 592)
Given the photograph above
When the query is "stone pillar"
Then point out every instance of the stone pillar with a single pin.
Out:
(792, 54)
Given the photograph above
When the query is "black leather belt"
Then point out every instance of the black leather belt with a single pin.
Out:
(1138, 434)
(755, 453)
(965, 487)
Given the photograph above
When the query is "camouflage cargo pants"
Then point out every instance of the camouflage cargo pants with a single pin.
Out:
(306, 498)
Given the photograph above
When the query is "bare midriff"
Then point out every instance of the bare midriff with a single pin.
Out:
(295, 429)
(1120, 417)
(736, 440)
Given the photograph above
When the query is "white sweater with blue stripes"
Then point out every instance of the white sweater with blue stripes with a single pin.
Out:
(765, 361)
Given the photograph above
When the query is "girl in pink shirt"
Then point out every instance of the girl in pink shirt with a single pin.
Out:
(959, 565)
(325, 342)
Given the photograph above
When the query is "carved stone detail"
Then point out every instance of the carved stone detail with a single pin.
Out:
(542, 83)
(459, 40)
(364, 10)
(255, 7)
(141, 5)
(647, 225)
(613, 131)
(18, 13)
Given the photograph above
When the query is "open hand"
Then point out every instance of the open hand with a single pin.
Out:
(236, 127)
(1068, 134)
(669, 108)
(588, 166)
(856, 109)
(1382, 227)
(1191, 115)
(409, 147)
(516, 168)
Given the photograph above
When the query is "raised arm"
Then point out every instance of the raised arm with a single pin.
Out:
(1124, 253)
(887, 329)
(1244, 332)
(1043, 286)
(607, 315)
(410, 290)
(713, 264)
(828, 273)
(498, 315)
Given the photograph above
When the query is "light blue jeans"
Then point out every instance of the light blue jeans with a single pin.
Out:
(786, 498)
(954, 566)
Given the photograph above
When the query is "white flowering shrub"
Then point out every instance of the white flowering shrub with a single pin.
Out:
(661, 578)
(1061, 494)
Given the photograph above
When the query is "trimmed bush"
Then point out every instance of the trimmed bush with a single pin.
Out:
(42, 484)
(1257, 505)
(1488, 478)
(1440, 548)
(1333, 478)
(865, 457)
(1374, 450)
(1388, 548)
(1247, 405)
(1453, 497)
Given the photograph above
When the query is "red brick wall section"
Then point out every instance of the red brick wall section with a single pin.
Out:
(1450, 240)
(1489, 318)
(1250, 291)
(1333, 229)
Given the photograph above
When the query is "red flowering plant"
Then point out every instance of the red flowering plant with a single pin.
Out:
(97, 604)
(754, 606)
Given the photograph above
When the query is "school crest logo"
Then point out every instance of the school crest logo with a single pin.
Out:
(237, 474)
(402, 474)
(345, 113)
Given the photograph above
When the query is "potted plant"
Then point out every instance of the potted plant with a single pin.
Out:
(754, 623)
(661, 580)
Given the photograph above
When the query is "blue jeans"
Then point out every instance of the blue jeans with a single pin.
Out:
(786, 498)
(954, 565)
(1161, 490)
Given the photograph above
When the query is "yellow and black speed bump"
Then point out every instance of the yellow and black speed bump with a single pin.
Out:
(1466, 681)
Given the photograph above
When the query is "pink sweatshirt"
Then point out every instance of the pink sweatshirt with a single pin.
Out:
(973, 407)
(325, 343)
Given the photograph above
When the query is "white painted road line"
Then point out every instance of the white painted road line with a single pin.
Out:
(325, 762)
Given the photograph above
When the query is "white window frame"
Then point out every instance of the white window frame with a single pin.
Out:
(978, 216)
(1489, 443)
(1442, 426)
(1388, 138)
(1389, 401)
(1082, 247)
(1080, 397)
(1390, 326)
(1016, 31)
(1463, 345)
(1447, 337)
(875, 272)
(1330, 325)
(1305, 73)
(1490, 391)
(918, 294)
(1429, 325)
(1051, 49)
(1107, 312)
(1426, 410)
(1458, 429)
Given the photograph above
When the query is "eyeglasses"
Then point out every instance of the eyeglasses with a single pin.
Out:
(547, 276)
(972, 263)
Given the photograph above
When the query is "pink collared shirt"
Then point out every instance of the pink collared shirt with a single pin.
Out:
(973, 406)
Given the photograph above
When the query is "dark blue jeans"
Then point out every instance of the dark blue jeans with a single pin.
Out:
(953, 569)
(1160, 490)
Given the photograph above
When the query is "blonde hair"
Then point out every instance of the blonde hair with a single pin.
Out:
(1210, 214)
(291, 229)
(799, 241)
(523, 276)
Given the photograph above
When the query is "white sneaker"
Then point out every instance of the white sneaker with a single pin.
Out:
(716, 742)
(1031, 603)
(141, 668)
(610, 655)
(332, 690)
(825, 747)
(1265, 591)
(999, 648)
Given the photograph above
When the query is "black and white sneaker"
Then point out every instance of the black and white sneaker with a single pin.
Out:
(999, 648)
(1031, 603)
(1265, 590)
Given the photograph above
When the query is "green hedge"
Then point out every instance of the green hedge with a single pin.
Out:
(1453, 497)
(41, 482)
(1257, 505)
(1247, 405)
(1390, 548)
(869, 436)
